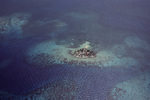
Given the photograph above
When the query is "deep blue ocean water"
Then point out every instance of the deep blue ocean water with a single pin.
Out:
(117, 19)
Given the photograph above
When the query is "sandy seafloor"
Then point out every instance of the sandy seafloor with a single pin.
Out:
(37, 38)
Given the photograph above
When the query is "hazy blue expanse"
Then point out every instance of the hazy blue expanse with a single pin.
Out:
(35, 36)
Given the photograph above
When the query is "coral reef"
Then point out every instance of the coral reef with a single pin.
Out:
(119, 50)
(136, 42)
(138, 49)
(49, 53)
(135, 89)
(59, 90)
(63, 90)
(11, 26)
(4, 27)
(18, 20)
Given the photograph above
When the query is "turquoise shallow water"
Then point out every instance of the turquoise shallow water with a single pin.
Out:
(36, 38)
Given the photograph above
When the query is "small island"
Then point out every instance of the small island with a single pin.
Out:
(84, 53)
